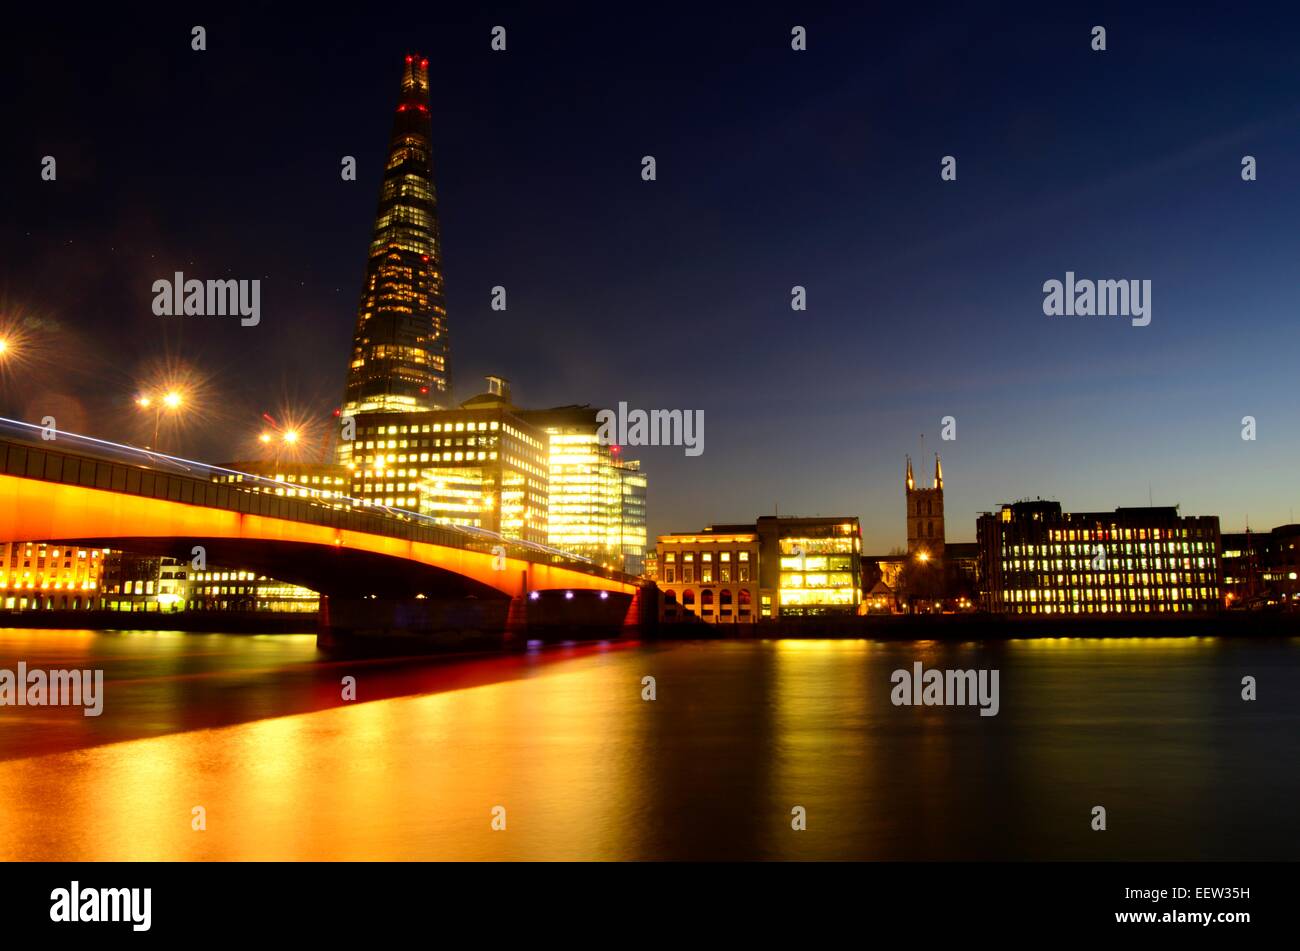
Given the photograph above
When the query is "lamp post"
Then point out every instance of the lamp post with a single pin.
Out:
(171, 400)
(280, 438)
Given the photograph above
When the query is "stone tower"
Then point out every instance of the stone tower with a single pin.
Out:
(925, 514)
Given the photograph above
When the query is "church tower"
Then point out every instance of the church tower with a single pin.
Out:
(925, 514)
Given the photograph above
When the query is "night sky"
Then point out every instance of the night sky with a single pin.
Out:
(775, 168)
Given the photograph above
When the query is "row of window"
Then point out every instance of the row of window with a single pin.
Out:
(742, 604)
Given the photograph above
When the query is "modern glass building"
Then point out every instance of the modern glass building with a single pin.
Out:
(1036, 559)
(809, 566)
(479, 466)
(400, 350)
(597, 498)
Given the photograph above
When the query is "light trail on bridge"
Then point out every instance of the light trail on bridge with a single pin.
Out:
(130, 455)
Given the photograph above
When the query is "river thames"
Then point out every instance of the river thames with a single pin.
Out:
(253, 731)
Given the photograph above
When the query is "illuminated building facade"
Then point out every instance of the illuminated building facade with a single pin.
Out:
(925, 534)
(597, 498)
(50, 576)
(400, 349)
(480, 466)
(777, 567)
(222, 590)
(712, 575)
(1262, 569)
(133, 582)
(1036, 559)
(809, 566)
(291, 479)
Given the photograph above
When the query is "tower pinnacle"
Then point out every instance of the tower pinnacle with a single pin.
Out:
(400, 350)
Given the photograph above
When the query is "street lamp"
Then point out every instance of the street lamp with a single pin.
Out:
(171, 400)
(280, 438)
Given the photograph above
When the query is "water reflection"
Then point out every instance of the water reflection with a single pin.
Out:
(740, 733)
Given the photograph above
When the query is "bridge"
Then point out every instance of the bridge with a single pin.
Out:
(383, 573)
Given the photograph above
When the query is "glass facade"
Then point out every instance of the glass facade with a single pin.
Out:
(597, 498)
(811, 566)
(482, 468)
(400, 349)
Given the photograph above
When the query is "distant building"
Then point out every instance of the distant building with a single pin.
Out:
(1036, 559)
(50, 576)
(711, 574)
(289, 478)
(776, 567)
(961, 574)
(925, 534)
(400, 353)
(132, 583)
(220, 589)
(1262, 569)
(597, 497)
(480, 465)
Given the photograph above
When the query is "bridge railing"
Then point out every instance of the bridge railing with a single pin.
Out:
(255, 495)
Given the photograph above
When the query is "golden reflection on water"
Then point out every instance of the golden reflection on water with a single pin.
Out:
(406, 778)
(740, 733)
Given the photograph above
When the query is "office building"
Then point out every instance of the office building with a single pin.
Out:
(220, 589)
(775, 567)
(50, 576)
(1036, 559)
(289, 478)
(597, 497)
(480, 466)
(1262, 569)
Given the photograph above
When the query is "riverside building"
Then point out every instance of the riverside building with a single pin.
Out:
(775, 567)
(1036, 559)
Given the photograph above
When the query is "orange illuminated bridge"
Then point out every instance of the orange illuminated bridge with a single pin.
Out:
(340, 547)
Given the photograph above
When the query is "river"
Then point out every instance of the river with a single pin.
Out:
(560, 746)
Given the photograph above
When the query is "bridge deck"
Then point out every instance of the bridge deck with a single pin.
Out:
(44, 463)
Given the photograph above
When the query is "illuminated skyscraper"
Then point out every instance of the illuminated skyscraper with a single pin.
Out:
(400, 348)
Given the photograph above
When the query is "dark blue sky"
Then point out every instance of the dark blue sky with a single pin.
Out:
(775, 168)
